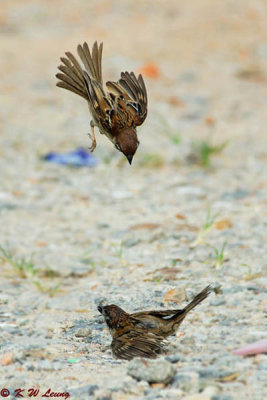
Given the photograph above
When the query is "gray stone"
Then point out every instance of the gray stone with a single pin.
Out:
(214, 372)
(152, 371)
(45, 365)
(83, 332)
(236, 195)
(175, 358)
(29, 366)
(234, 289)
(131, 242)
(228, 360)
(7, 206)
(217, 301)
(186, 381)
(82, 392)
(263, 365)
(102, 394)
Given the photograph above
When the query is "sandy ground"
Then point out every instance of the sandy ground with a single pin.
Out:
(73, 238)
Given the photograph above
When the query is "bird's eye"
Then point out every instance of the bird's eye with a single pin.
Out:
(118, 147)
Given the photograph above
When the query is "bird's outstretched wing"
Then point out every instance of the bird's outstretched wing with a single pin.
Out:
(135, 344)
(134, 93)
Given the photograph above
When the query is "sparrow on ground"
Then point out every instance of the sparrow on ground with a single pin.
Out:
(142, 334)
(116, 112)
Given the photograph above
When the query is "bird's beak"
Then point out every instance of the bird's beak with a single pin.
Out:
(129, 158)
(100, 309)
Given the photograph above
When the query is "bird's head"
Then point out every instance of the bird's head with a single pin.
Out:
(113, 315)
(127, 142)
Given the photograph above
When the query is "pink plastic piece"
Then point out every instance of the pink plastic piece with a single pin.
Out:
(253, 348)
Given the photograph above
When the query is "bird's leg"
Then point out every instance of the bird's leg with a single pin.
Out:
(92, 137)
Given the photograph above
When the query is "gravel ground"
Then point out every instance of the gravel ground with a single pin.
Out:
(135, 236)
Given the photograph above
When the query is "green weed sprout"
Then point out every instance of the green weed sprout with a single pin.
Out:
(207, 227)
(23, 266)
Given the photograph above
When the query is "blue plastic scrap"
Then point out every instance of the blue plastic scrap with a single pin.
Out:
(76, 158)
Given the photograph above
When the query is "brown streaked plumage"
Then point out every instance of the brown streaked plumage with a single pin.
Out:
(142, 334)
(116, 112)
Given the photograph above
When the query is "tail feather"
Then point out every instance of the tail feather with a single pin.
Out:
(198, 299)
(87, 60)
(92, 62)
(72, 88)
(67, 79)
(99, 63)
(179, 316)
(71, 76)
(76, 66)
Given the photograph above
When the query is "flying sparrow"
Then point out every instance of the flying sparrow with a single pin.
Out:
(142, 334)
(116, 112)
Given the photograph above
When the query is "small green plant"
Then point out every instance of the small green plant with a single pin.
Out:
(207, 227)
(48, 272)
(218, 255)
(157, 279)
(50, 290)
(88, 259)
(204, 150)
(175, 261)
(250, 274)
(23, 266)
(118, 251)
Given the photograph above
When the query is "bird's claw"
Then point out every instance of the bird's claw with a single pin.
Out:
(93, 145)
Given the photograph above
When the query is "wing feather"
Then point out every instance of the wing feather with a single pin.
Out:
(136, 344)
(137, 91)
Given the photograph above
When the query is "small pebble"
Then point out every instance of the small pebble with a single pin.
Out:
(152, 371)
(217, 301)
(221, 397)
(175, 358)
(83, 332)
(186, 381)
(82, 391)
(102, 394)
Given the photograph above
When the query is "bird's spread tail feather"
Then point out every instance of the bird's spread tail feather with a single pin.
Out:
(198, 299)
(71, 75)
